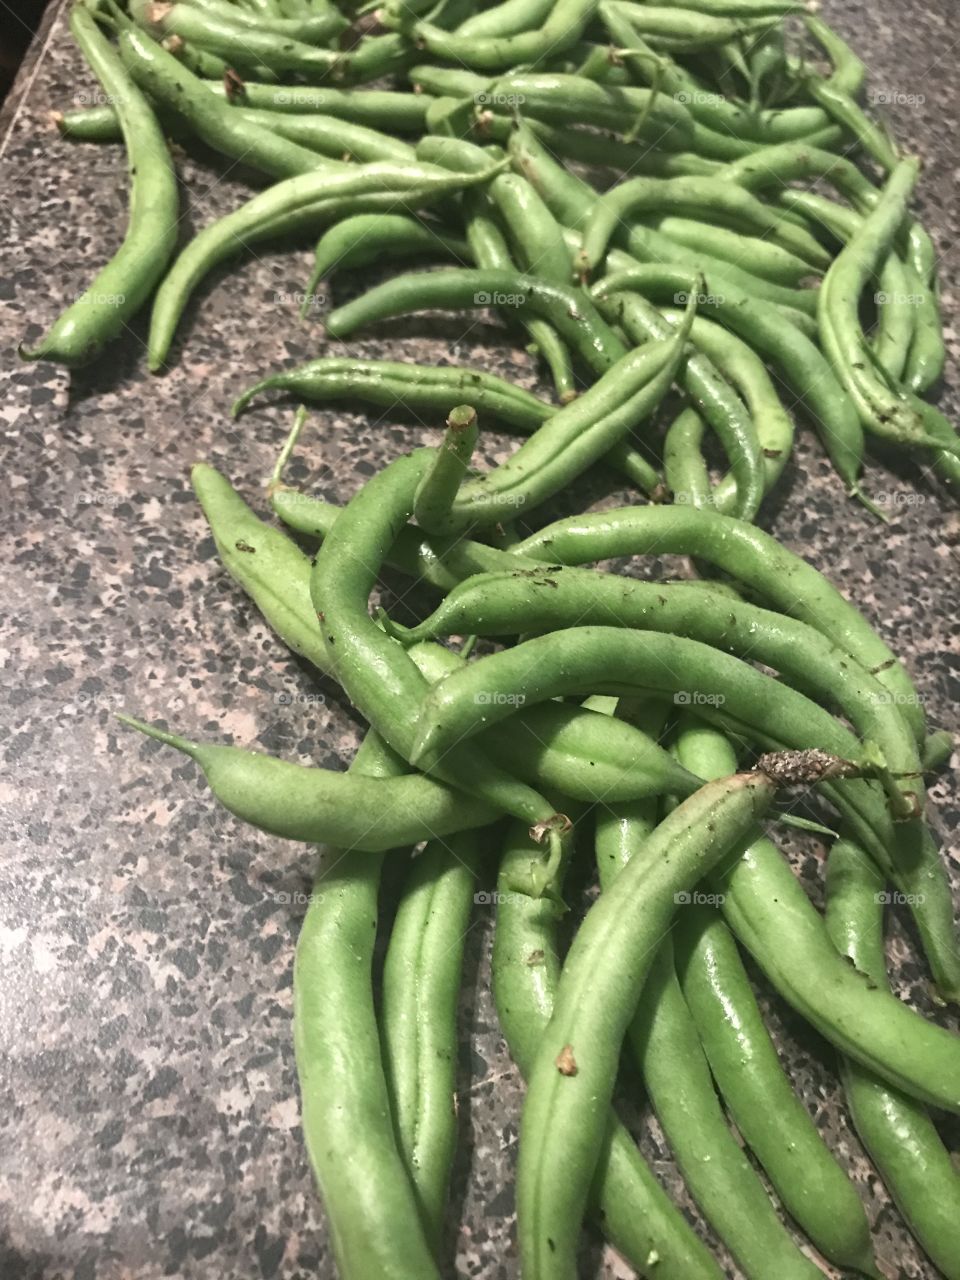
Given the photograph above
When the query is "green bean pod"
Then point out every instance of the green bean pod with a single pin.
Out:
(359, 240)
(175, 88)
(219, 20)
(896, 1131)
(683, 463)
(418, 1016)
(376, 108)
(927, 354)
(884, 411)
(567, 444)
(398, 184)
(562, 27)
(570, 312)
(771, 1119)
(665, 1043)
(377, 674)
(635, 1213)
(777, 575)
(244, 45)
(560, 748)
(571, 1082)
(567, 99)
(707, 198)
(766, 907)
(423, 388)
(124, 284)
(524, 601)
(345, 1105)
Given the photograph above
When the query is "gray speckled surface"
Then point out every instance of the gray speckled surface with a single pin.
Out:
(148, 1113)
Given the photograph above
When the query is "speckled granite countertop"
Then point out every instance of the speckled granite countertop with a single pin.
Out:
(148, 1112)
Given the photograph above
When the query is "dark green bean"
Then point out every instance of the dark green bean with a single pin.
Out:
(123, 285)
(635, 1213)
(347, 1123)
(418, 1017)
(396, 184)
(771, 1119)
(896, 1131)
(565, 1115)
(766, 907)
(362, 239)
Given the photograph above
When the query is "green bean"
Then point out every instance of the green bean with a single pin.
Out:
(422, 388)
(347, 1125)
(797, 360)
(745, 371)
(766, 907)
(708, 198)
(683, 466)
(407, 184)
(537, 235)
(775, 166)
(666, 1046)
(174, 87)
(359, 240)
(895, 301)
(590, 148)
(896, 1131)
(217, 22)
(848, 72)
(946, 463)
(560, 748)
(330, 136)
(442, 479)
(491, 252)
(570, 312)
(563, 448)
(567, 99)
(243, 45)
(376, 108)
(750, 253)
(635, 1213)
(842, 108)
(772, 1121)
(562, 27)
(883, 411)
(447, 82)
(565, 1115)
(756, 459)
(651, 248)
(421, 982)
(686, 31)
(524, 601)
(776, 574)
(506, 19)
(123, 285)
(927, 354)
(320, 806)
(377, 675)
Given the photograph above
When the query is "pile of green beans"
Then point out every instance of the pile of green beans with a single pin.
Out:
(629, 189)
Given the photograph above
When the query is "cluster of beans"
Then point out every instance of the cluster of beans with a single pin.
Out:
(655, 723)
